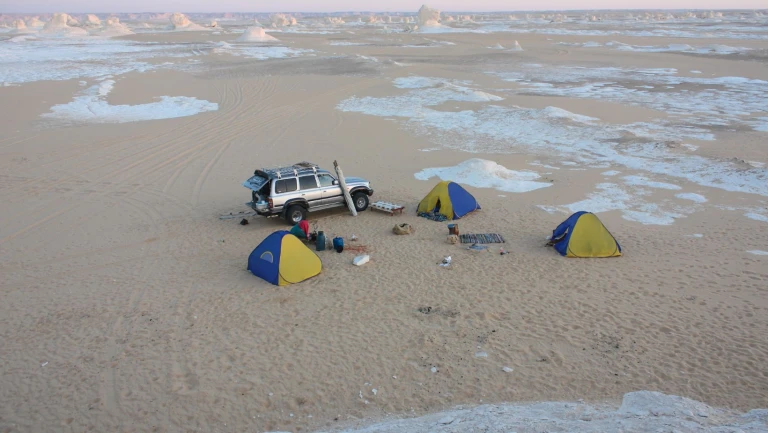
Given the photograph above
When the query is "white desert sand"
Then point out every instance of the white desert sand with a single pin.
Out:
(481, 173)
(256, 34)
(92, 107)
(126, 305)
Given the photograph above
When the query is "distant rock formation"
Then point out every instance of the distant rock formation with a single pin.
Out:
(255, 34)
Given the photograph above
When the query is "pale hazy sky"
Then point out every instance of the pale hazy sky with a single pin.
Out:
(77, 6)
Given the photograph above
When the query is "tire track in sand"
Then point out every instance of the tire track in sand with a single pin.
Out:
(281, 118)
(120, 330)
(264, 94)
(153, 154)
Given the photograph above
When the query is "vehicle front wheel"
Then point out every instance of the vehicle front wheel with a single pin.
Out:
(360, 200)
(295, 214)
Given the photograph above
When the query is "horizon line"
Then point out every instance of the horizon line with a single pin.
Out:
(392, 12)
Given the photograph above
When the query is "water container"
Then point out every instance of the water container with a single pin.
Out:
(320, 245)
(338, 244)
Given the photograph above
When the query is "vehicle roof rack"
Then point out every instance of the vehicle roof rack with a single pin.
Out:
(303, 167)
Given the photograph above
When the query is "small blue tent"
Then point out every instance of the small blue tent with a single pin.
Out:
(450, 200)
(283, 259)
(584, 235)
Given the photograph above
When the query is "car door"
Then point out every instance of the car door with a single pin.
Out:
(309, 190)
(331, 193)
(285, 189)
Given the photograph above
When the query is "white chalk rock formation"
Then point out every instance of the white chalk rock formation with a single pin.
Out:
(429, 17)
(282, 20)
(641, 411)
(255, 34)
(213, 24)
(180, 21)
(334, 20)
(92, 21)
(58, 27)
(112, 28)
(72, 21)
(35, 22)
(517, 47)
(19, 27)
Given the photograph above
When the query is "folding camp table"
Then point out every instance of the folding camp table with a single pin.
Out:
(389, 208)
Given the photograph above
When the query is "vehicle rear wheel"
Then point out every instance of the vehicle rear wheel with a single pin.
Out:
(360, 200)
(295, 214)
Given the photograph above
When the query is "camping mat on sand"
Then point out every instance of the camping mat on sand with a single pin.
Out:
(484, 238)
(432, 216)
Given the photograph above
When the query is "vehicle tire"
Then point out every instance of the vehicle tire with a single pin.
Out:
(360, 199)
(295, 214)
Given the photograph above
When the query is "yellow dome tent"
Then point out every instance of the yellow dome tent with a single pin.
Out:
(282, 259)
(450, 200)
(584, 235)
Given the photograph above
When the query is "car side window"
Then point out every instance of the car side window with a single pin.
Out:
(325, 180)
(285, 185)
(307, 182)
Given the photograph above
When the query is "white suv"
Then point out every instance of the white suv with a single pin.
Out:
(294, 190)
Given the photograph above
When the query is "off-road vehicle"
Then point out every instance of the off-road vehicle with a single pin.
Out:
(292, 191)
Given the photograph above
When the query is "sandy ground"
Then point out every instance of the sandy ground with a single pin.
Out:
(126, 305)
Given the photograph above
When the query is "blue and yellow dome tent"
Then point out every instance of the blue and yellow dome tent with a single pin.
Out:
(450, 200)
(584, 235)
(283, 259)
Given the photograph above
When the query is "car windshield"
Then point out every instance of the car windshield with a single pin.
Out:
(325, 179)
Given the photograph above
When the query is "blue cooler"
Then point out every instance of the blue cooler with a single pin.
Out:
(338, 244)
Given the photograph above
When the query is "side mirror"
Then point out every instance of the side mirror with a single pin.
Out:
(335, 182)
